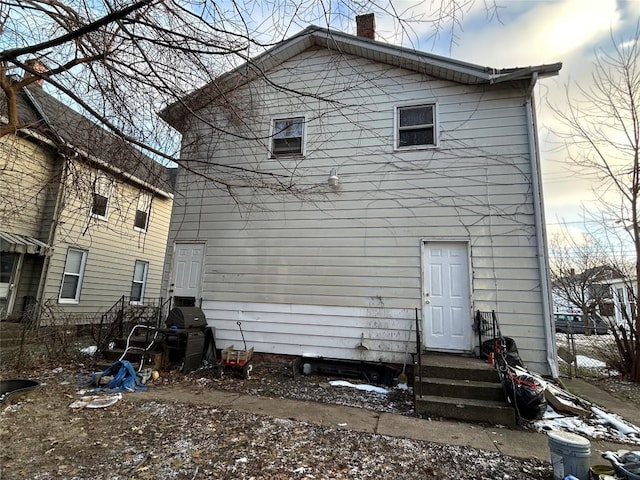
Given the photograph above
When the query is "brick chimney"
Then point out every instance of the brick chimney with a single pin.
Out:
(366, 26)
(38, 66)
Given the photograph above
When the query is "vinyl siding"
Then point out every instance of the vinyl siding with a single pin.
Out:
(113, 246)
(331, 267)
(27, 187)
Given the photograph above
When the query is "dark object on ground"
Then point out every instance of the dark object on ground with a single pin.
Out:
(186, 336)
(626, 463)
(522, 389)
(122, 378)
(370, 372)
(16, 388)
(504, 346)
(525, 392)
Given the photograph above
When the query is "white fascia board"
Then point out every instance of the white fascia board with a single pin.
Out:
(102, 163)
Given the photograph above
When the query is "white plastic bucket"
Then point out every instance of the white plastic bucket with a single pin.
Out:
(570, 454)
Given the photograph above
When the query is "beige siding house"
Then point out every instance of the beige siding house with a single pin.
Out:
(411, 184)
(83, 217)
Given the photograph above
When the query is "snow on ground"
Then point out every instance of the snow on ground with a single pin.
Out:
(91, 350)
(583, 360)
(363, 387)
(601, 425)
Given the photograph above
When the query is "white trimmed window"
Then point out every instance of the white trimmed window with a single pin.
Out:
(287, 137)
(416, 126)
(139, 282)
(143, 210)
(101, 196)
(72, 276)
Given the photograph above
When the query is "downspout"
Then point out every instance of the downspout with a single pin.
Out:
(53, 230)
(541, 238)
(59, 198)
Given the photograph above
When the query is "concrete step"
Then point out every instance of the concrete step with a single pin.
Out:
(447, 387)
(469, 410)
(463, 388)
(457, 368)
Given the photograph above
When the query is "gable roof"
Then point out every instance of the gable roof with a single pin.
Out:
(69, 131)
(426, 63)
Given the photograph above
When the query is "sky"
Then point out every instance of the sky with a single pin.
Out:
(506, 34)
(533, 32)
(498, 34)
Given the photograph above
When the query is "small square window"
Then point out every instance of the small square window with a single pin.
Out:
(416, 126)
(141, 221)
(100, 196)
(100, 203)
(287, 137)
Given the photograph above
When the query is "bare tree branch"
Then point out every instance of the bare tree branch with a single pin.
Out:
(602, 140)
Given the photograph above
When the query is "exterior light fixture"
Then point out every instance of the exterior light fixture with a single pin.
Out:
(333, 179)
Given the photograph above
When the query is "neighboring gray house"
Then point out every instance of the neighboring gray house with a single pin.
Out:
(422, 193)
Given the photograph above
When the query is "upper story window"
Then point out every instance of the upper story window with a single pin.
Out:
(416, 126)
(287, 137)
(141, 221)
(101, 195)
(72, 276)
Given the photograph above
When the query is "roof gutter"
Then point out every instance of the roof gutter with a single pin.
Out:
(538, 207)
(94, 159)
(121, 172)
(53, 230)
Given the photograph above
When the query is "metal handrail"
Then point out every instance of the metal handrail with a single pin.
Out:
(419, 354)
(112, 325)
(485, 322)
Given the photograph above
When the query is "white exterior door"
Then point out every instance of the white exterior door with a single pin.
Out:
(447, 297)
(187, 269)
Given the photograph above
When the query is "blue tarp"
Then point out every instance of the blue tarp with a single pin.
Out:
(125, 378)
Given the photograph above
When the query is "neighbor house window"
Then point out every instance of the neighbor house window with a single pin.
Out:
(287, 136)
(139, 281)
(142, 212)
(415, 126)
(72, 276)
(101, 195)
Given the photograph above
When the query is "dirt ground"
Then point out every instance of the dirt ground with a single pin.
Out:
(43, 438)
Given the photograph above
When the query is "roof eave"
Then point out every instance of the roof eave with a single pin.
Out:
(422, 62)
(91, 158)
(245, 72)
(543, 71)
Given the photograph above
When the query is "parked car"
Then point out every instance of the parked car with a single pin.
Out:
(572, 322)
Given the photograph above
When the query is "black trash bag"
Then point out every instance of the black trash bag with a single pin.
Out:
(526, 393)
(504, 347)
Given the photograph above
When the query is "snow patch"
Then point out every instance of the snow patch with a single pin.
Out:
(89, 350)
(603, 426)
(364, 387)
(583, 360)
